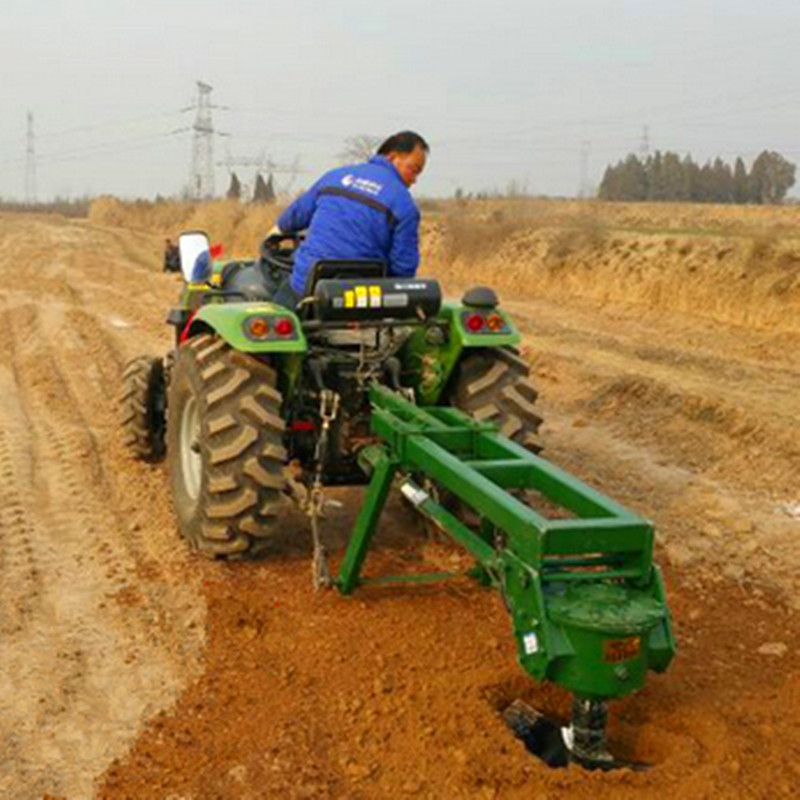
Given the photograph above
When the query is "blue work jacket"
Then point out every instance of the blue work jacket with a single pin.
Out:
(363, 211)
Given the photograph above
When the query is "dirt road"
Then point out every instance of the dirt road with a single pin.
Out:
(133, 669)
(100, 626)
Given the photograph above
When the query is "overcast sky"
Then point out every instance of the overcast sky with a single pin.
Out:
(509, 90)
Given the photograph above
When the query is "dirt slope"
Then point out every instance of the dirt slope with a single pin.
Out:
(134, 670)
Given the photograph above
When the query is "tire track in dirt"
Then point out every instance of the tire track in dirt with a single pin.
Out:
(104, 643)
(21, 579)
(697, 422)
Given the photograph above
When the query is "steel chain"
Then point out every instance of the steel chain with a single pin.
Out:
(328, 410)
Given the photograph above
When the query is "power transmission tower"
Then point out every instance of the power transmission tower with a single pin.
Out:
(30, 163)
(644, 144)
(583, 186)
(201, 179)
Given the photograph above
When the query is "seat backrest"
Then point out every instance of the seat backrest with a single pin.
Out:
(337, 270)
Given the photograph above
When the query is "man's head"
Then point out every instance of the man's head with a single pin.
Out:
(408, 151)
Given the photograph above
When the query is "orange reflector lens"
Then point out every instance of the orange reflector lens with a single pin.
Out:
(495, 322)
(258, 327)
(284, 327)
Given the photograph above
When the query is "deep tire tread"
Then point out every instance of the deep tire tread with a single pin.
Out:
(141, 411)
(242, 447)
(494, 385)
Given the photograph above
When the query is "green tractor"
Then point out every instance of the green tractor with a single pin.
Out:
(377, 380)
(252, 388)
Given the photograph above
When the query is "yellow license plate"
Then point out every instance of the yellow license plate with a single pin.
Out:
(616, 650)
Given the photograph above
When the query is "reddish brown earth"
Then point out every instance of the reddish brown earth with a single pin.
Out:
(133, 669)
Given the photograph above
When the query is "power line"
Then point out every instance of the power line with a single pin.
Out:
(83, 153)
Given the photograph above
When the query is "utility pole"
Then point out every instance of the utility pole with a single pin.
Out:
(30, 163)
(201, 178)
(583, 186)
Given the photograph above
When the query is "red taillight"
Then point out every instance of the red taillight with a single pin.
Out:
(284, 327)
(302, 425)
(474, 323)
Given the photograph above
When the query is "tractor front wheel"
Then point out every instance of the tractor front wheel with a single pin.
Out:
(142, 408)
(225, 448)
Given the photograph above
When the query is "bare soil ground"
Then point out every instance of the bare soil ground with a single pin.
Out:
(132, 669)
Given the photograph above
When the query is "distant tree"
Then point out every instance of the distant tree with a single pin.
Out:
(264, 191)
(235, 189)
(608, 189)
(741, 182)
(633, 179)
(665, 176)
(706, 186)
(771, 177)
(673, 180)
(722, 182)
(359, 148)
(654, 168)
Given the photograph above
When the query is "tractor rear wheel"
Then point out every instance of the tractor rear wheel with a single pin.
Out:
(142, 408)
(494, 385)
(225, 448)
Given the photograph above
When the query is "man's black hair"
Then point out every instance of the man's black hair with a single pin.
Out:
(403, 142)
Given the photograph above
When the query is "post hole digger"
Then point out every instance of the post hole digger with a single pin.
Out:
(377, 381)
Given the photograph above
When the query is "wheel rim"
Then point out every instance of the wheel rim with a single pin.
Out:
(191, 460)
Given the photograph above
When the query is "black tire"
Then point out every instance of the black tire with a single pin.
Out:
(225, 448)
(494, 385)
(142, 408)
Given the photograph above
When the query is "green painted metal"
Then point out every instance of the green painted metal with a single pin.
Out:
(377, 463)
(587, 604)
(424, 577)
(228, 320)
(431, 362)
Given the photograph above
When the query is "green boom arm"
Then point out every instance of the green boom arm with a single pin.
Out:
(587, 603)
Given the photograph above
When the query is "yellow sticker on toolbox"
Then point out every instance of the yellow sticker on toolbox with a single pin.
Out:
(349, 299)
(375, 298)
(361, 296)
(616, 650)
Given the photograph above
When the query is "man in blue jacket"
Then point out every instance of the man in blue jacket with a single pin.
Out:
(364, 211)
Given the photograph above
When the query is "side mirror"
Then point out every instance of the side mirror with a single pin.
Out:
(194, 249)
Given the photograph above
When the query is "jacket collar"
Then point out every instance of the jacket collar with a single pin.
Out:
(382, 161)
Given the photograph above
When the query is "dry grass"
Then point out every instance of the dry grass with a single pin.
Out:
(76, 208)
(238, 226)
(734, 265)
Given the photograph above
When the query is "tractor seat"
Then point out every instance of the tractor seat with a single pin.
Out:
(338, 270)
(246, 281)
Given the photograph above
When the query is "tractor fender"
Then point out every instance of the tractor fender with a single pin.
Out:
(433, 359)
(249, 327)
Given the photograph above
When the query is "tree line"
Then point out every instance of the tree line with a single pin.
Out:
(667, 176)
(263, 191)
